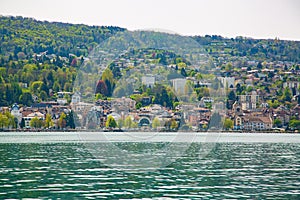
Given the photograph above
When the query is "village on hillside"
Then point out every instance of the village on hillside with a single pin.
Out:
(244, 106)
(240, 84)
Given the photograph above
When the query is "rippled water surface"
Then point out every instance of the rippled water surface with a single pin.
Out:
(232, 170)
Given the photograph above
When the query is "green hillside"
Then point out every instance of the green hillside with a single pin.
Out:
(26, 35)
(253, 49)
(40, 58)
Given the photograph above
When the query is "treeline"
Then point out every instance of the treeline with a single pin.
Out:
(254, 49)
(22, 37)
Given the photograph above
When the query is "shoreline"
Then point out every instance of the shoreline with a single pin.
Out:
(143, 131)
(146, 137)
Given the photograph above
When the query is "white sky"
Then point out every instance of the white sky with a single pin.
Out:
(229, 18)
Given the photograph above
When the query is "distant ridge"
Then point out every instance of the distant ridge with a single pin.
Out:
(28, 35)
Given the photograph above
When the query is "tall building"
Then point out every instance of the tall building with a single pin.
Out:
(227, 81)
(148, 80)
(179, 85)
(249, 101)
(292, 85)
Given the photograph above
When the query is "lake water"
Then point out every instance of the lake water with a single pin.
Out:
(118, 166)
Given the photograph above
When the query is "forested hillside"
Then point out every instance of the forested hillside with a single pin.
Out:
(40, 58)
(25, 36)
(253, 49)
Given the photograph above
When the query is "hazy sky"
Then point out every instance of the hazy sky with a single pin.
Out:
(230, 18)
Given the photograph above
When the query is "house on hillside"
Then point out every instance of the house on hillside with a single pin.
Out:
(257, 123)
(283, 114)
(32, 115)
(251, 120)
(76, 97)
(15, 111)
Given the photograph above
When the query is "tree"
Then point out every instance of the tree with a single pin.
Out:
(174, 125)
(138, 105)
(70, 121)
(3, 121)
(155, 123)
(228, 67)
(36, 122)
(36, 86)
(275, 104)
(15, 91)
(43, 95)
(239, 89)
(68, 87)
(101, 88)
(98, 96)
(287, 95)
(183, 72)
(108, 78)
(161, 96)
(199, 76)
(228, 124)
(22, 123)
(181, 65)
(26, 99)
(120, 123)
(56, 86)
(277, 123)
(128, 122)
(259, 65)
(111, 122)
(44, 87)
(202, 92)
(294, 124)
(11, 120)
(48, 121)
(232, 96)
(62, 121)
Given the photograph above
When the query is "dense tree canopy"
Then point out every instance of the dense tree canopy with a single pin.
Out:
(40, 58)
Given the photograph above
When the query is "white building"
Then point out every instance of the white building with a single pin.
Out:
(227, 81)
(16, 113)
(179, 85)
(62, 101)
(76, 98)
(81, 106)
(291, 85)
(148, 80)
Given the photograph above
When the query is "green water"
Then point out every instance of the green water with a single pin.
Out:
(229, 171)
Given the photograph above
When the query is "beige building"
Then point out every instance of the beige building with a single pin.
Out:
(249, 101)
(257, 123)
(30, 116)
